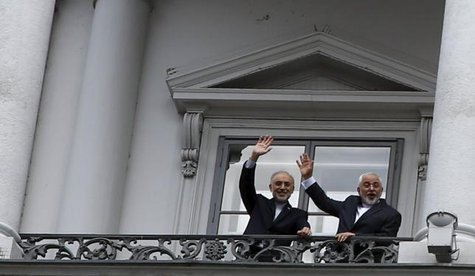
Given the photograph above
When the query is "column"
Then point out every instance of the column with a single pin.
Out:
(97, 168)
(56, 119)
(24, 36)
(451, 169)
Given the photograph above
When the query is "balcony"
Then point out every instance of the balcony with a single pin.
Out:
(51, 254)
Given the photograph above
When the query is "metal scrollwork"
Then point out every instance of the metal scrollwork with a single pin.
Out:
(191, 249)
(331, 252)
(278, 254)
(32, 250)
(210, 248)
(241, 249)
(149, 252)
(99, 249)
(371, 252)
(215, 250)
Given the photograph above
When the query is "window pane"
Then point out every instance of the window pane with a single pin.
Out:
(232, 224)
(323, 225)
(337, 169)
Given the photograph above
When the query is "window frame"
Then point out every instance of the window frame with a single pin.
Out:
(396, 146)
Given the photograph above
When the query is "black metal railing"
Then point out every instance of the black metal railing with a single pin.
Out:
(209, 248)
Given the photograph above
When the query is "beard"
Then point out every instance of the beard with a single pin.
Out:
(366, 200)
(281, 199)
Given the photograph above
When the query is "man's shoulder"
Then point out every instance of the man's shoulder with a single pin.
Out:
(388, 208)
(262, 197)
(299, 211)
(353, 198)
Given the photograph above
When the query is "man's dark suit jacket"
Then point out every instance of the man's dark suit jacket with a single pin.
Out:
(262, 210)
(379, 220)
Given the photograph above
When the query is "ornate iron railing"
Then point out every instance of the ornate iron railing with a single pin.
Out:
(287, 249)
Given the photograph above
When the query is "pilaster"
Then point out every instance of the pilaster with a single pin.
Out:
(98, 162)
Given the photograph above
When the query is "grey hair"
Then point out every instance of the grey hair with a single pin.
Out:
(281, 171)
(360, 179)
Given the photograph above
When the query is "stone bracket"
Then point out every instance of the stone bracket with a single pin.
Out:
(424, 146)
(192, 126)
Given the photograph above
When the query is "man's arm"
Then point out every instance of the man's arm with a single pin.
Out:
(389, 229)
(247, 187)
(391, 226)
(304, 226)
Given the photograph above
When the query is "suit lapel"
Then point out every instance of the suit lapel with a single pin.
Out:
(285, 211)
(349, 217)
(269, 212)
(373, 210)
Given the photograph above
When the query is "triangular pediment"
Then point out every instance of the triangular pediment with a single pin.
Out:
(318, 65)
(316, 72)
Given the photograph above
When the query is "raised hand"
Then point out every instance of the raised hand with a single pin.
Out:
(305, 166)
(262, 147)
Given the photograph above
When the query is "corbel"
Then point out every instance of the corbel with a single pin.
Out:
(192, 126)
(424, 146)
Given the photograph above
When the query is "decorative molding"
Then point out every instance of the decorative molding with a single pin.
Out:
(254, 102)
(196, 89)
(424, 146)
(316, 43)
(192, 126)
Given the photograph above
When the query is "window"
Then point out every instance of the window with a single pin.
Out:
(338, 164)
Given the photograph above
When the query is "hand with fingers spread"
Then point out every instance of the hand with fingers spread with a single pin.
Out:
(262, 147)
(305, 165)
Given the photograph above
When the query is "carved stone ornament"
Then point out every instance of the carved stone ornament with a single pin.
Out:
(192, 126)
(426, 127)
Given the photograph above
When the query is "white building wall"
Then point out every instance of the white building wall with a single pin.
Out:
(189, 34)
(186, 35)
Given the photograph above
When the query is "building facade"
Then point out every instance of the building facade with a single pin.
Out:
(134, 116)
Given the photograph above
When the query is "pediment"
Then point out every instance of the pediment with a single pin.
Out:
(316, 68)
(316, 72)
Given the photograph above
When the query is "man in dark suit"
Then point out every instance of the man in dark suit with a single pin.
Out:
(271, 216)
(366, 214)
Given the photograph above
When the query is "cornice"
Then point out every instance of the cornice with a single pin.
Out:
(316, 43)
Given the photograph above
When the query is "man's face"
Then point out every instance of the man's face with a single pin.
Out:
(370, 189)
(281, 187)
